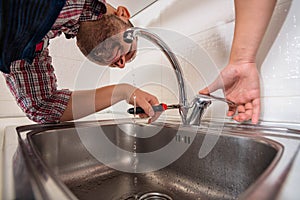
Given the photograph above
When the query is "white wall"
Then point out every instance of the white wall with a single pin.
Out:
(280, 70)
(207, 26)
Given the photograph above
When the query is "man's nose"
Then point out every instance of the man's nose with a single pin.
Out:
(121, 62)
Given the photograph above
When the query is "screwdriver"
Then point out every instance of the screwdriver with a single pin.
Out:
(158, 108)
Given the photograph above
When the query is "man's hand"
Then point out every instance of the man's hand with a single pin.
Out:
(240, 84)
(145, 101)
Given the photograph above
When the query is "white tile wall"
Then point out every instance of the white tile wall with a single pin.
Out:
(134, 7)
(281, 69)
(72, 69)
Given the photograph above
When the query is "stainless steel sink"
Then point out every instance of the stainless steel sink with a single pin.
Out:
(70, 161)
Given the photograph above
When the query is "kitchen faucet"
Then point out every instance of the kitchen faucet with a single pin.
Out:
(192, 113)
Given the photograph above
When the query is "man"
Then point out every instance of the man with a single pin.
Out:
(34, 84)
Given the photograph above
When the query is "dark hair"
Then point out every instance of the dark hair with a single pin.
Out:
(96, 39)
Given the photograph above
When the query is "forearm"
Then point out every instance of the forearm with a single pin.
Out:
(252, 19)
(83, 103)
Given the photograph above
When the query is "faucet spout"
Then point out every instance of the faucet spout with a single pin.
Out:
(132, 33)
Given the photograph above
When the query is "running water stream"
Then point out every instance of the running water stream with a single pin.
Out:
(134, 154)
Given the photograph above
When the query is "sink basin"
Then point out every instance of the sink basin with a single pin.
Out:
(106, 161)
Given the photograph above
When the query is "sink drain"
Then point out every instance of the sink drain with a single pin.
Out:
(155, 196)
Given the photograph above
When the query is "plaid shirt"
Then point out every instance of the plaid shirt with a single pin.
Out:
(34, 86)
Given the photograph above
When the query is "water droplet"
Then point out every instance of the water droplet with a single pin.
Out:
(134, 106)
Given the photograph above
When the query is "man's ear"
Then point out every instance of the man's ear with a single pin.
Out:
(123, 12)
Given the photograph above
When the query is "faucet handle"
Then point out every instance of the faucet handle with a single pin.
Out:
(198, 106)
(212, 97)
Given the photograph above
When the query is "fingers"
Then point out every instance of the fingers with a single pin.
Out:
(212, 87)
(244, 113)
(147, 104)
(146, 101)
(143, 116)
(231, 111)
(154, 118)
(256, 111)
(204, 91)
(248, 111)
(147, 107)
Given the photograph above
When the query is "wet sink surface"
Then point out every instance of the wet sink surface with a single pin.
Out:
(74, 157)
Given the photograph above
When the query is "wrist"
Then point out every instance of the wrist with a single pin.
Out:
(126, 90)
(241, 56)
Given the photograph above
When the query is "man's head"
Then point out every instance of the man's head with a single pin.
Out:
(101, 41)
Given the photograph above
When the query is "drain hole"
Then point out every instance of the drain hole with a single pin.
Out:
(155, 196)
